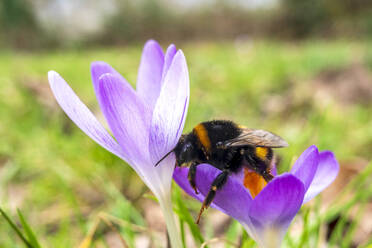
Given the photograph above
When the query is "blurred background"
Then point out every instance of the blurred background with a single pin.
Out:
(301, 69)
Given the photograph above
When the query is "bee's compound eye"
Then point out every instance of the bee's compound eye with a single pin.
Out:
(219, 144)
(186, 150)
(187, 147)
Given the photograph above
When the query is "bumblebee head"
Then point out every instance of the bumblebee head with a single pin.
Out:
(185, 150)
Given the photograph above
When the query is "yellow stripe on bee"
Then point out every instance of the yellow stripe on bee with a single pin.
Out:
(202, 135)
(262, 152)
(254, 182)
(242, 127)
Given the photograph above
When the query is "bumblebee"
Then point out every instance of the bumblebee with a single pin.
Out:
(228, 147)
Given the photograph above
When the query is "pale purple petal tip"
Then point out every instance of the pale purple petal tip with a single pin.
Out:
(326, 173)
(150, 72)
(97, 69)
(100, 68)
(306, 166)
(126, 115)
(277, 203)
(81, 115)
(170, 110)
(169, 55)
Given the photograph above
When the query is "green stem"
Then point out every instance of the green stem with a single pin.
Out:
(166, 207)
(272, 238)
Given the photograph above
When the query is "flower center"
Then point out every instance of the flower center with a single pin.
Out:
(253, 181)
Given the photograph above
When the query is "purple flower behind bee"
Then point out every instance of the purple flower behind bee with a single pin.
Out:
(267, 216)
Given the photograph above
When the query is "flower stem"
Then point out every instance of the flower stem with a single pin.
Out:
(166, 207)
(270, 238)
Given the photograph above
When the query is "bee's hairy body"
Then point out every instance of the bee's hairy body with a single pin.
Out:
(207, 136)
(228, 147)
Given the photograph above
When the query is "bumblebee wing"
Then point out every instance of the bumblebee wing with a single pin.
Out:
(256, 137)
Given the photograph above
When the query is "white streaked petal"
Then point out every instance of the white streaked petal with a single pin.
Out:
(170, 110)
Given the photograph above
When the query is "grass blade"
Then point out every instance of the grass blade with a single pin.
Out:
(29, 233)
(185, 215)
(16, 229)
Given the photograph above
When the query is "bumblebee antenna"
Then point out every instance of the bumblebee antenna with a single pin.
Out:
(166, 155)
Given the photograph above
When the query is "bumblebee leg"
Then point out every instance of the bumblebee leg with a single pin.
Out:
(191, 176)
(267, 176)
(217, 184)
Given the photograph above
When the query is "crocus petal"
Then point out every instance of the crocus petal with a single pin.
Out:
(127, 117)
(325, 174)
(169, 55)
(233, 199)
(170, 110)
(273, 209)
(180, 177)
(306, 166)
(81, 115)
(160, 177)
(150, 72)
(98, 68)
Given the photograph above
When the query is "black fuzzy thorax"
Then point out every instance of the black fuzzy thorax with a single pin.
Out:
(218, 131)
(221, 130)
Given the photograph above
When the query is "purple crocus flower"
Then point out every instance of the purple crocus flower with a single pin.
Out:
(266, 217)
(145, 123)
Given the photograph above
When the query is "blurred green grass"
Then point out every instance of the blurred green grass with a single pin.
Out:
(61, 179)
